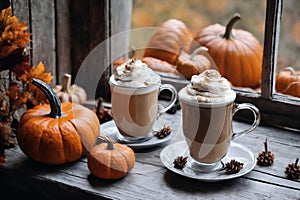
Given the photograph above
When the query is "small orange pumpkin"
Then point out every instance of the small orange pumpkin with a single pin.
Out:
(288, 82)
(109, 160)
(168, 41)
(57, 133)
(236, 53)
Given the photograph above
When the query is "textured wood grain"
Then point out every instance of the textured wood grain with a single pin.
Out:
(43, 34)
(149, 179)
(21, 10)
(63, 39)
(90, 50)
(120, 28)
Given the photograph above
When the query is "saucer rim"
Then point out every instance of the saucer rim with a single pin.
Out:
(252, 162)
(141, 145)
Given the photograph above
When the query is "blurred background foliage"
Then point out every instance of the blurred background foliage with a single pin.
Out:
(198, 14)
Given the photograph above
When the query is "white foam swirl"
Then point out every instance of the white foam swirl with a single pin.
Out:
(209, 86)
(134, 73)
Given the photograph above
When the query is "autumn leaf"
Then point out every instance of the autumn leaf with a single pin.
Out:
(16, 98)
(38, 72)
(12, 31)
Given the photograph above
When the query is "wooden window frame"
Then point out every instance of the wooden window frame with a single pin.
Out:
(276, 110)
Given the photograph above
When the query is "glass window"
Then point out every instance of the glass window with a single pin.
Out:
(288, 60)
(274, 23)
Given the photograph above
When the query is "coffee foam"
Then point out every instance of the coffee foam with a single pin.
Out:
(134, 74)
(127, 90)
(208, 88)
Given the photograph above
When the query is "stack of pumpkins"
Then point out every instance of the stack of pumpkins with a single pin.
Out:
(236, 53)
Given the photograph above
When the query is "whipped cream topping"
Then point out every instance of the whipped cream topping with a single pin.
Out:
(134, 73)
(208, 87)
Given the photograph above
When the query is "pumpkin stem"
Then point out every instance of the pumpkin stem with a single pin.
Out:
(266, 147)
(296, 162)
(67, 83)
(196, 51)
(108, 140)
(229, 26)
(290, 69)
(54, 101)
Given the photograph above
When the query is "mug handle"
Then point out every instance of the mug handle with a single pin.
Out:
(173, 90)
(254, 111)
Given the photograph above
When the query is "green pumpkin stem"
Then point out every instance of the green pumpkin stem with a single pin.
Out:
(54, 101)
(227, 35)
(108, 140)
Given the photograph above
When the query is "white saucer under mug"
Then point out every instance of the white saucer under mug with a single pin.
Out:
(236, 151)
(110, 129)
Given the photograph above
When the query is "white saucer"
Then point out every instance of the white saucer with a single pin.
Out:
(236, 151)
(109, 129)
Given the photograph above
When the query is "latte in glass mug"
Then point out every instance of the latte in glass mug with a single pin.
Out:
(134, 97)
(207, 109)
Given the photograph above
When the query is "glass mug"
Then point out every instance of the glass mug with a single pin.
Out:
(207, 129)
(135, 109)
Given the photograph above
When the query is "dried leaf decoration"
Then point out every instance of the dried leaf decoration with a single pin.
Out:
(13, 33)
(16, 73)
(38, 72)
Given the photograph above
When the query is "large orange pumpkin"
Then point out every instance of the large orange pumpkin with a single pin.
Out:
(57, 133)
(288, 82)
(168, 41)
(236, 53)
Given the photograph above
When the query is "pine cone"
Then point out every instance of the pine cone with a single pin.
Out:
(265, 158)
(180, 162)
(233, 166)
(293, 170)
(164, 132)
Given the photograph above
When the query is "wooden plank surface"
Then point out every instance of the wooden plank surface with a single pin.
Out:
(89, 47)
(43, 34)
(149, 179)
(63, 39)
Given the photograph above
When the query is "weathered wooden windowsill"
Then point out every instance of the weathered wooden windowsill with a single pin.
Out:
(149, 179)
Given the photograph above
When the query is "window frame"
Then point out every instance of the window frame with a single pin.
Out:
(276, 110)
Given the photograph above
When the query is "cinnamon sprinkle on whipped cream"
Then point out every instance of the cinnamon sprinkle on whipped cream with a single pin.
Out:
(208, 87)
(135, 73)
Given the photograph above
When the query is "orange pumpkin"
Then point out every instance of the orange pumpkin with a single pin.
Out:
(189, 65)
(110, 161)
(57, 133)
(159, 65)
(236, 53)
(288, 82)
(168, 40)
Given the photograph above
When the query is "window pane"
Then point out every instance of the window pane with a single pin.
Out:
(289, 50)
(199, 14)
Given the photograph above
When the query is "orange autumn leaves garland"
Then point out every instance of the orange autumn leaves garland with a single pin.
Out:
(16, 73)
